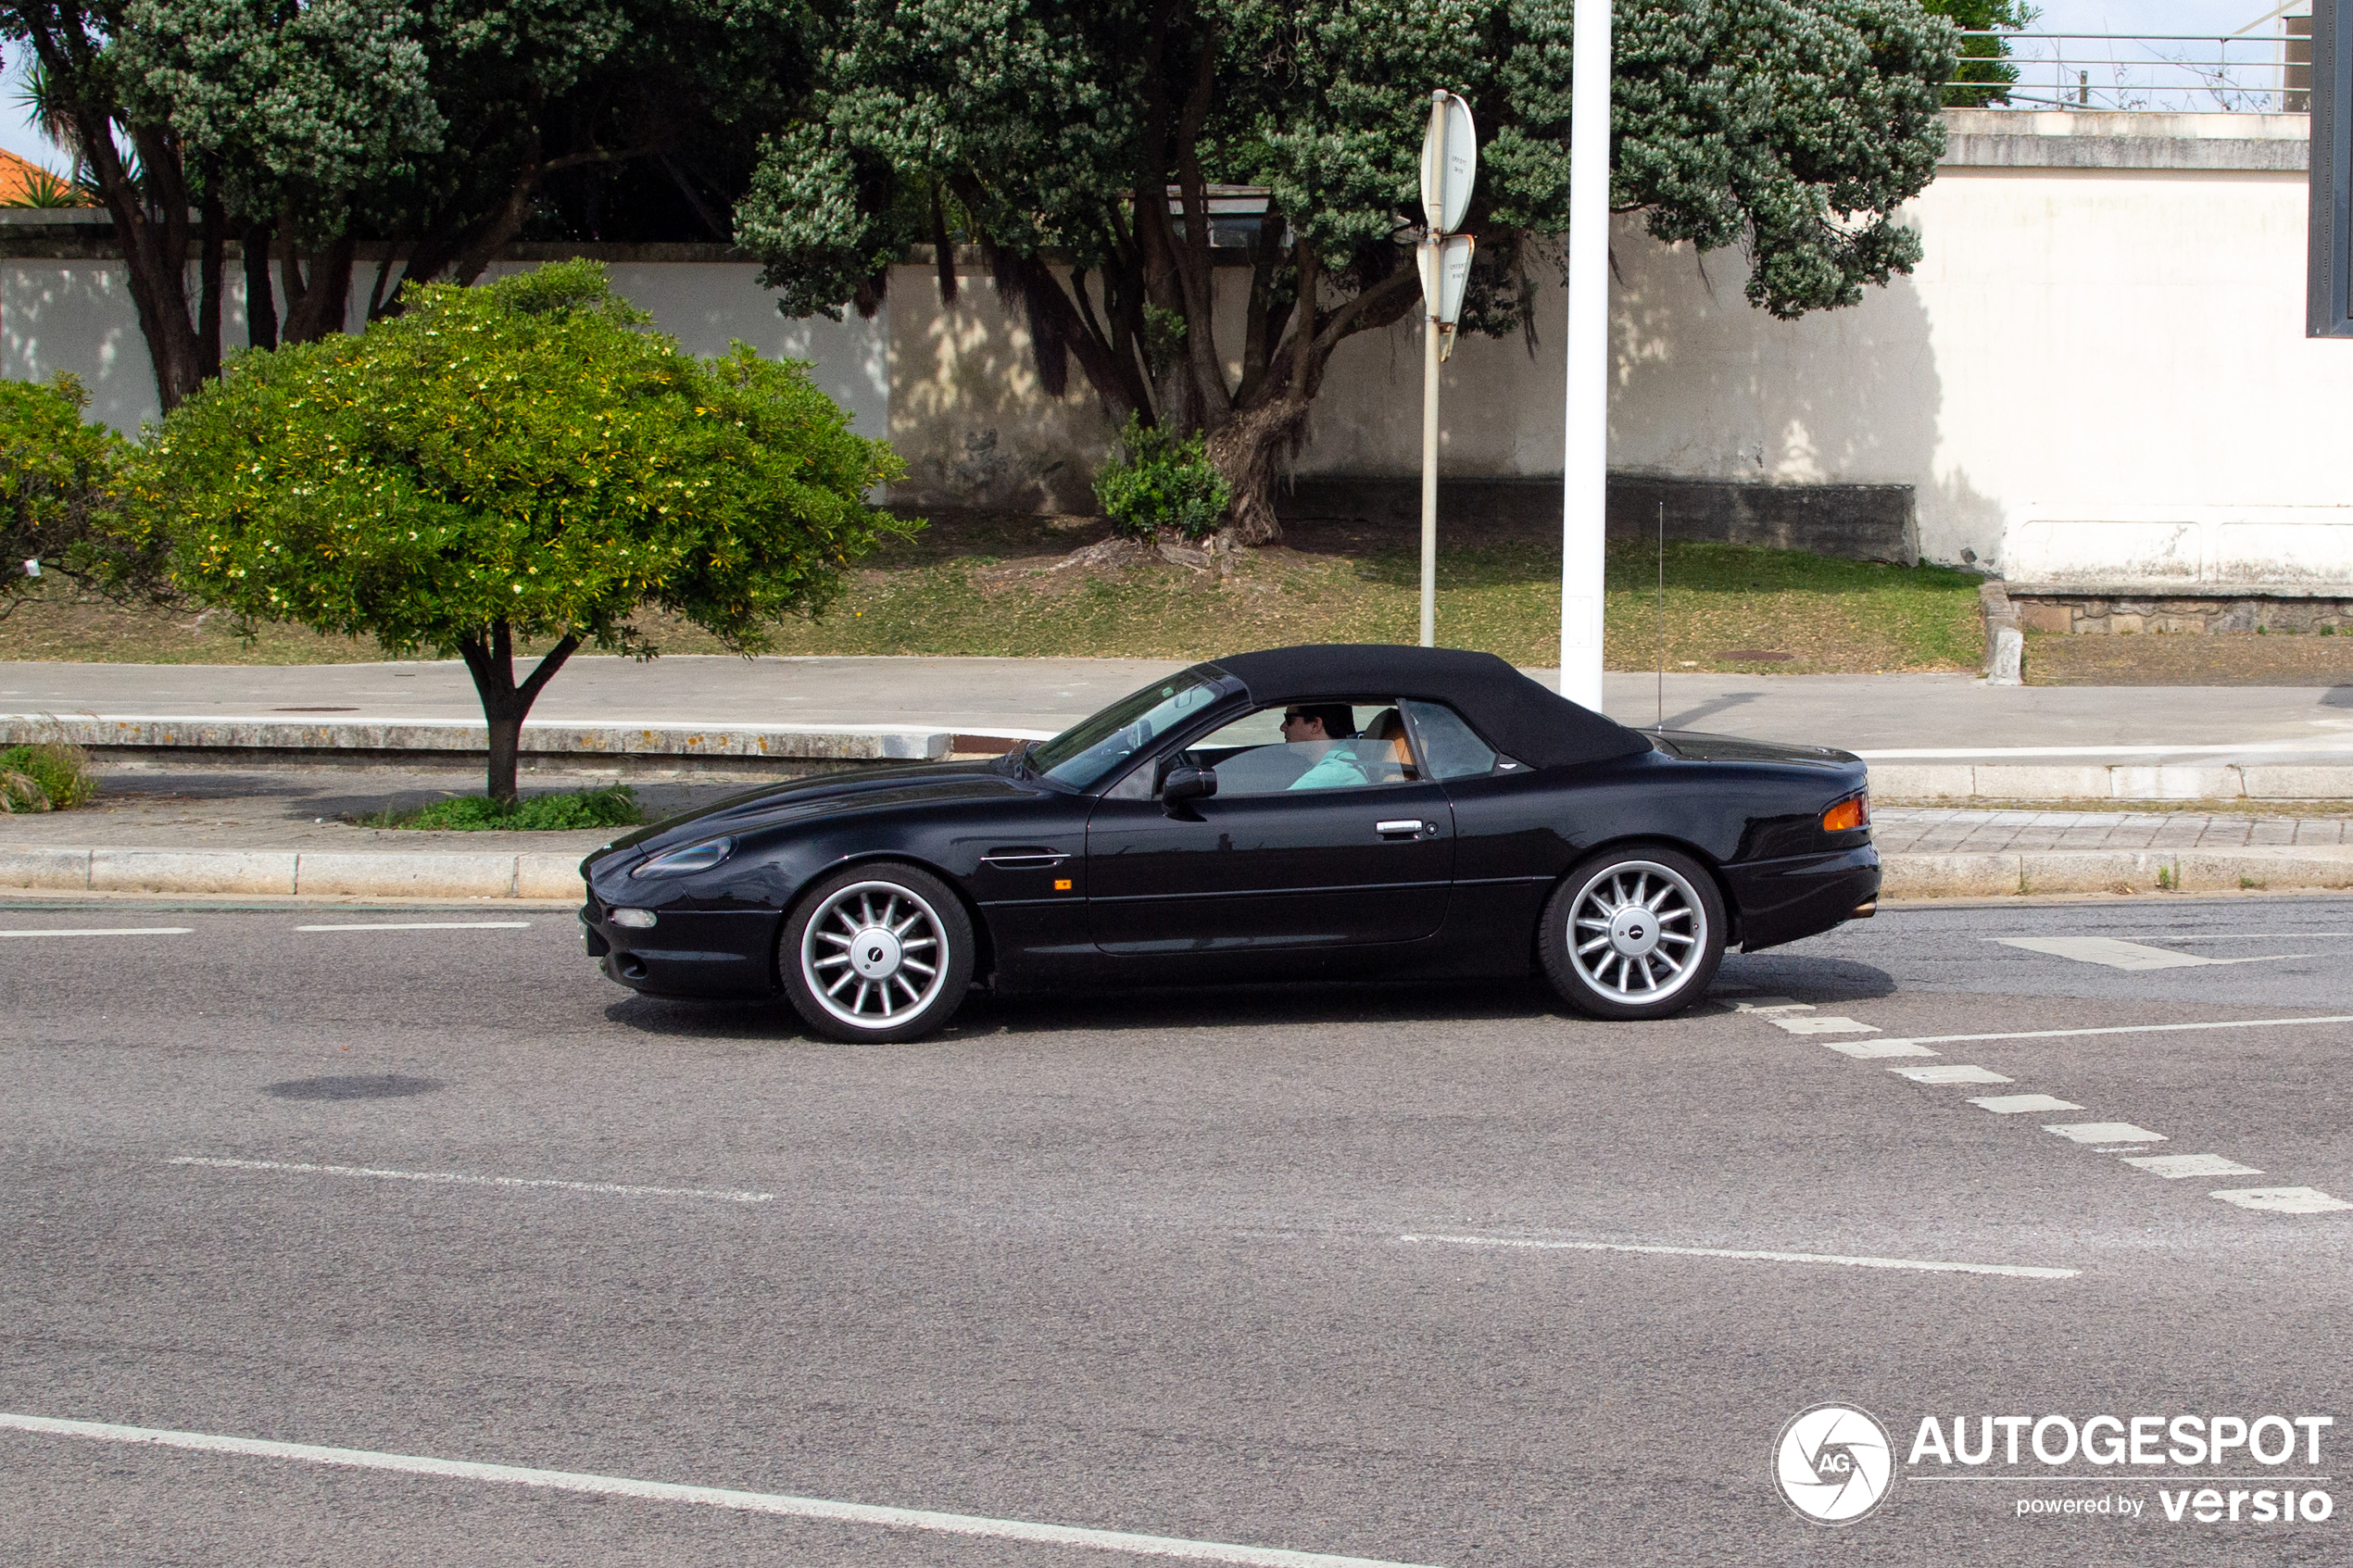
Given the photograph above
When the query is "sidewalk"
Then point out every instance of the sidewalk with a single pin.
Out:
(1934, 717)
(284, 833)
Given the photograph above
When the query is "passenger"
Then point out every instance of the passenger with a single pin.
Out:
(1315, 730)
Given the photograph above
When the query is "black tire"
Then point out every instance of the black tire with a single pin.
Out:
(855, 951)
(1634, 955)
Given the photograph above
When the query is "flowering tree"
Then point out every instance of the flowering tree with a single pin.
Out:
(512, 464)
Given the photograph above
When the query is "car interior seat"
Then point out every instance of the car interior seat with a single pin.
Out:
(1389, 729)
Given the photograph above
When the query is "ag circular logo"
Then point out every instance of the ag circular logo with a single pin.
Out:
(1833, 1463)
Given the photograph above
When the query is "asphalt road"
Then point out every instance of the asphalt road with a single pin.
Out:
(1145, 1264)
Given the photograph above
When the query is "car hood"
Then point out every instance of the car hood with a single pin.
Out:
(1694, 747)
(886, 784)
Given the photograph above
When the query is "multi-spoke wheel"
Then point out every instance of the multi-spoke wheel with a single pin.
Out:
(1633, 933)
(878, 953)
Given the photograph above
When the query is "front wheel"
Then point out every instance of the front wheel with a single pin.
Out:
(876, 953)
(1633, 933)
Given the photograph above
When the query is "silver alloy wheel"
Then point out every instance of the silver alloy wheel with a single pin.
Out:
(1637, 932)
(874, 954)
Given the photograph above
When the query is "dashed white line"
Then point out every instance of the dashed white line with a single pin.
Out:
(1951, 1073)
(1797, 1023)
(423, 925)
(2174, 1167)
(1924, 1265)
(109, 931)
(456, 1179)
(1866, 1049)
(2105, 1132)
(2282, 1200)
(708, 1496)
(2104, 950)
(2013, 1105)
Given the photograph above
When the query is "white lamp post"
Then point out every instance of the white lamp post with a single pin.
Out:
(1585, 458)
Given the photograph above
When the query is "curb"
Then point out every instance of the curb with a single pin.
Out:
(151, 739)
(390, 874)
(441, 875)
(1917, 783)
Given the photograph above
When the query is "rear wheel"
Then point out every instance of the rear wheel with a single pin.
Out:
(1634, 932)
(876, 953)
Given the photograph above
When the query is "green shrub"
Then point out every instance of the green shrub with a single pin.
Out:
(615, 806)
(1162, 484)
(60, 498)
(48, 777)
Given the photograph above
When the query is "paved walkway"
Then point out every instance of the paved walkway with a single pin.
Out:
(1947, 716)
(1902, 830)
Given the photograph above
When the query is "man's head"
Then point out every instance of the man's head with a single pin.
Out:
(1319, 721)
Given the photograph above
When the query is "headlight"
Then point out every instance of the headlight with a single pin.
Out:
(694, 858)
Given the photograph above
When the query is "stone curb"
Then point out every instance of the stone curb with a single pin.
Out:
(167, 735)
(285, 873)
(1921, 782)
(441, 875)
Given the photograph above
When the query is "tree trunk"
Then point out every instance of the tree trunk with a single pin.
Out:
(490, 660)
(1249, 450)
(325, 299)
(261, 299)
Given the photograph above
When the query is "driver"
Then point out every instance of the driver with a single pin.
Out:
(1314, 729)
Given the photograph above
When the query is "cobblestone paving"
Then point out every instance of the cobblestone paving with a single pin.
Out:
(1909, 830)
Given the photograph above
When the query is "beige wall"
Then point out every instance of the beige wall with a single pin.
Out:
(2098, 370)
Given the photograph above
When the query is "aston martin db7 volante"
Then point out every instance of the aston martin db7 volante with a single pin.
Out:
(1300, 814)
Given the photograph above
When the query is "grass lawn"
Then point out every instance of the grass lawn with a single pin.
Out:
(1005, 584)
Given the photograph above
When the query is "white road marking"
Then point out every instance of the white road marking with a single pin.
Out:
(2105, 1132)
(2244, 935)
(2174, 1167)
(2104, 950)
(2014, 1271)
(2282, 1200)
(1950, 1073)
(110, 931)
(2118, 954)
(2012, 1105)
(708, 1497)
(1865, 1050)
(1797, 1024)
(1771, 1004)
(2117, 1029)
(423, 925)
(452, 1178)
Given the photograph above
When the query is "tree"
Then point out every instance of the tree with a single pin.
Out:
(60, 500)
(302, 128)
(512, 464)
(1983, 59)
(1048, 132)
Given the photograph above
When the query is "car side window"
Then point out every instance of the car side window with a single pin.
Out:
(1453, 748)
(1357, 745)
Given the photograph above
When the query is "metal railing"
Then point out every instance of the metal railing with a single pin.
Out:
(2176, 73)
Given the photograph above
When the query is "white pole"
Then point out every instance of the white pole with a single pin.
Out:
(1434, 284)
(1585, 458)
(1429, 469)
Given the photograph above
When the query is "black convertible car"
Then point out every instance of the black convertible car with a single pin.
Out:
(1304, 813)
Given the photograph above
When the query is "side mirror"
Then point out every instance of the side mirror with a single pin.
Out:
(1185, 786)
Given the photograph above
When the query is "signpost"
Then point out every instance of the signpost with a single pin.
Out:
(1450, 164)
(2331, 278)
(1585, 456)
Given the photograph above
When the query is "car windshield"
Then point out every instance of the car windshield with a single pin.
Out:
(1090, 750)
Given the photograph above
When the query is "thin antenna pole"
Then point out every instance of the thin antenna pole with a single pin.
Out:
(1662, 618)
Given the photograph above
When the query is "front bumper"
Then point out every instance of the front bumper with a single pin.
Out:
(686, 952)
(1781, 900)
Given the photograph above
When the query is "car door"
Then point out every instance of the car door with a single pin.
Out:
(1271, 865)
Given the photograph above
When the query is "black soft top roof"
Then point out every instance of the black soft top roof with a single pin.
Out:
(1519, 717)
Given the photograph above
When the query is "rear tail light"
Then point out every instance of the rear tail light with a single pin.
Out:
(1853, 812)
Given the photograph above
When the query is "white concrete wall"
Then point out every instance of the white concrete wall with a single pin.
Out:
(77, 316)
(2097, 373)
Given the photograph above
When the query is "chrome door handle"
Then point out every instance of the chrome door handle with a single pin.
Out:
(1414, 827)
